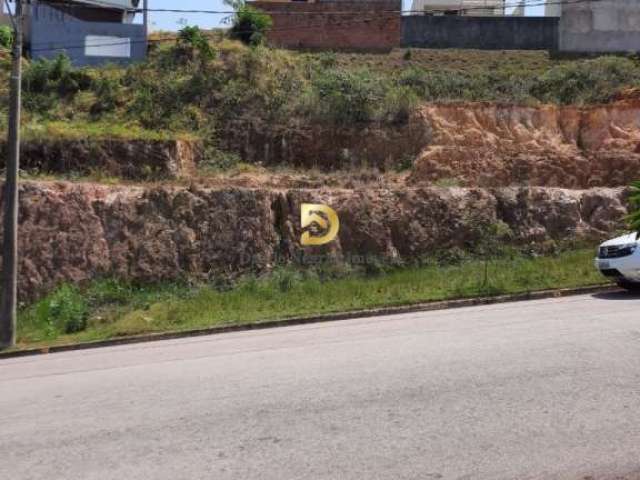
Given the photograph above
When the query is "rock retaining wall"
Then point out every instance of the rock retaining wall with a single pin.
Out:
(75, 232)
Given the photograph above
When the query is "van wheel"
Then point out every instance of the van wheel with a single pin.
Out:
(631, 286)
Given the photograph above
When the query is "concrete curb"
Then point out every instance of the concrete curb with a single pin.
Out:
(377, 312)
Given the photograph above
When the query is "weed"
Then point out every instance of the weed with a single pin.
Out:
(63, 311)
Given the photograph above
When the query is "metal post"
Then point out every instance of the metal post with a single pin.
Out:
(8, 308)
(145, 18)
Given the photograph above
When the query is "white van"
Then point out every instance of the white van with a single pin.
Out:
(619, 259)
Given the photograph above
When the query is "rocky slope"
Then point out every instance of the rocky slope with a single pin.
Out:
(127, 159)
(471, 144)
(497, 145)
(330, 148)
(75, 232)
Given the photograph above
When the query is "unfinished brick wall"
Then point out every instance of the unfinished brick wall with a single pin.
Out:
(368, 25)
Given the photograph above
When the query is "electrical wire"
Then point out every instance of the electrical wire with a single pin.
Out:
(338, 25)
(526, 3)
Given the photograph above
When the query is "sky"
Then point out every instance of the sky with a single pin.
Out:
(175, 21)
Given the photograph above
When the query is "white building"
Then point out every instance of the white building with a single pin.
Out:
(478, 7)
(458, 7)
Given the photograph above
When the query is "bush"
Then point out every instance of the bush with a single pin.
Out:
(634, 201)
(192, 40)
(160, 104)
(579, 82)
(343, 97)
(398, 105)
(215, 160)
(45, 81)
(591, 81)
(250, 25)
(327, 59)
(63, 311)
(108, 91)
(6, 37)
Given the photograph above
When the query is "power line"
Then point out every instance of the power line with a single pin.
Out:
(374, 16)
(527, 3)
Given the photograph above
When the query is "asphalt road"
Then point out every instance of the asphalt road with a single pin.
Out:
(535, 390)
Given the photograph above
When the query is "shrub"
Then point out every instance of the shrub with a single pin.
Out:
(215, 160)
(191, 40)
(591, 81)
(344, 97)
(327, 59)
(250, 25)
(634, 200)
(107, 90)
(6, 37)
(442, 85)
(63, 311)
(159, 104)
(585, 81)
(398, 104)
(45, 81)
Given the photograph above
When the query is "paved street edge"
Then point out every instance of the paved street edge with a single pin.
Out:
(330, 317)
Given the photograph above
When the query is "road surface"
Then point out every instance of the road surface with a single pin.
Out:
(533, 390)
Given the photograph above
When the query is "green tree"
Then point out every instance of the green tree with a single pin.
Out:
(250, 25)
(634, 200)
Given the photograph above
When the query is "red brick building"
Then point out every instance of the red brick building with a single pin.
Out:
(367, 25)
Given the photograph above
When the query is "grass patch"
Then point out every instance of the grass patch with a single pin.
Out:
(71, 311)
(108, 309)
(69, 130)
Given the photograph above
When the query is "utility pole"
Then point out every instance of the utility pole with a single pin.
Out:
(145, 19)
(8, 309)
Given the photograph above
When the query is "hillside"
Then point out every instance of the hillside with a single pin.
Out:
(236, 99)
(187, 173)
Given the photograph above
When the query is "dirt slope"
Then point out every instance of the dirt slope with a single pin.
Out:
(499, 145)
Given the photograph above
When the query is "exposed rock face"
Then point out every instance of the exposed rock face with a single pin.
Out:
(74, 232)
(493, 145)
(326, 148)
(130, 159)
(477, 144)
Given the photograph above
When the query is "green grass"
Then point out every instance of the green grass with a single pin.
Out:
(108, 309)
(100, 130)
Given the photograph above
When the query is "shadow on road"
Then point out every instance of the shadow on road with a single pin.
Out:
(617, 295)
